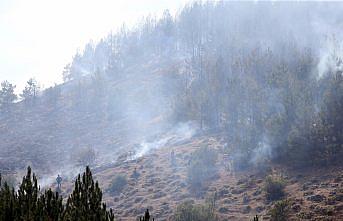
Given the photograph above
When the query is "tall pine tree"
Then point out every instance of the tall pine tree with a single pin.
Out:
(85, 203)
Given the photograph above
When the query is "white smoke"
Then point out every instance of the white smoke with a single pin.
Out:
(331, 57)
(67, 173)
(146, 147)
(262, 153)
(181, 132)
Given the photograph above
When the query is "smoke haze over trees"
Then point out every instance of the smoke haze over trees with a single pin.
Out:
(267, 76)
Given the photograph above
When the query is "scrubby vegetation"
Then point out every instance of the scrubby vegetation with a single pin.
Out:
(118, 184)
(84, 203)
(280, 211)
(193, 212)
(201, 167)
(274, 187)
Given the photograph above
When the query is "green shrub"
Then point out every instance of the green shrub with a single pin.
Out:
(274, 187)
(118, 184)
(188, 211)
(280, 211)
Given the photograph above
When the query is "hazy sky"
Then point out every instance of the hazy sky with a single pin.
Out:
(39, 37)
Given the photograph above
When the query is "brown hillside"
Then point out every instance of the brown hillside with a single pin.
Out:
(315, 194)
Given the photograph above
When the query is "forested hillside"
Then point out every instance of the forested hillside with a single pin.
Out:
(267, 77)
(253, 70)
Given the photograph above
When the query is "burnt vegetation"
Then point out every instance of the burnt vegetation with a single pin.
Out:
(272, 96)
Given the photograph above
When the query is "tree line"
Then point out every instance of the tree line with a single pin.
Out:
(8, 96)
(260, 89)
(30, 203)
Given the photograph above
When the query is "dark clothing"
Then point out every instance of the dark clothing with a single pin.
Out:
(59, 180)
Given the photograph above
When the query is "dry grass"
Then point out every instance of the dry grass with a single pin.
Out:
(161, 187)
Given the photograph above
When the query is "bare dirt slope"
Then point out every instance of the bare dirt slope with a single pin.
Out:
(314, 194)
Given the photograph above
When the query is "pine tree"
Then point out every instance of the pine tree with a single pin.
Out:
(29, 204)
(30, 91)
(85, 203)
(28, 197)
(50, 205)
(7, 96)
(7, 202)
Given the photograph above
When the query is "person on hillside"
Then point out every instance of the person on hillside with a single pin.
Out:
(59, 181)
(135, 174)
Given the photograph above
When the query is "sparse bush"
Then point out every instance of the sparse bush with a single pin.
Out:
(118, 184)
(255, 218)
(188, 211)
(274, 187)
(85, 157)
(202, 167)
(280, 211)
